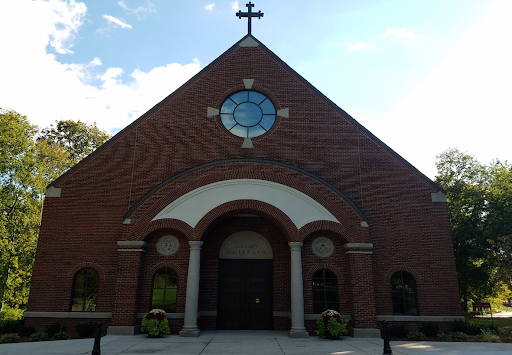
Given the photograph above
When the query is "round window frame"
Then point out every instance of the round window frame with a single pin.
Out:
(262, 129)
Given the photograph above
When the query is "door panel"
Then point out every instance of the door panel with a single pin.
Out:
(245, 294)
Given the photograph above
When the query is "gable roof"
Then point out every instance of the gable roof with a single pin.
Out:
(250, 41)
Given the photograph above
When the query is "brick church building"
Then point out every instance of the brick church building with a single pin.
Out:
(246, 199)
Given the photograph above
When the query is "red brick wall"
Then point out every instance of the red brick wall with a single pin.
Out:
(81, 227)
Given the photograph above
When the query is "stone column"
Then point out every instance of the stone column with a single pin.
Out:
(191, 302)
(364, 316)
(298, 330)
(124, 314)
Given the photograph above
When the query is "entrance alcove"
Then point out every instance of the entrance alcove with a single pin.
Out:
(277, 259)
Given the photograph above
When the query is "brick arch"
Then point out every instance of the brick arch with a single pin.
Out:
(329, 266)
(349, 233)
(84, 264)
(396, 268)
(170, 264)
(142, 231)
(273, 214)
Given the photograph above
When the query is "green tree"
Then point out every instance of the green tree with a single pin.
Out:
(77, 137)
(20, 206)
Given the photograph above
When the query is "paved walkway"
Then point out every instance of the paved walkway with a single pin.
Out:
(249, 342)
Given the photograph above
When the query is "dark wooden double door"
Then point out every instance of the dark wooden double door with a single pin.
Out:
(245, 294)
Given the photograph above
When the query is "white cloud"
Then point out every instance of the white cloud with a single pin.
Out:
(359, 46)
(209, 7)
(116, 21)
(401, 33)
(36, 84)
(234, 6)
(139, 11)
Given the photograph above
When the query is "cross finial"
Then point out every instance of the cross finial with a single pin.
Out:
(249, 14)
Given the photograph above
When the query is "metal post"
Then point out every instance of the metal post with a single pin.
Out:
(96, 348)
(385, 335)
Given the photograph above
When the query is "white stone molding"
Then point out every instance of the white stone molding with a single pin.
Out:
(438, 197)
(192, 298)
(86, 315)
(248, 83)
(53, 192)
(192, 206)
(249, 42)
(247, 143)
(285, 112)
(246, 245)
(298, 330)
(210, 112)
(393, 318)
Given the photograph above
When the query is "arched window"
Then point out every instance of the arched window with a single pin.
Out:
(85, 290)
(325, 291)
(165, 285)
(403, 293)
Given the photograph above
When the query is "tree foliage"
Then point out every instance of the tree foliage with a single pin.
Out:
(28, 163)
(479, 204)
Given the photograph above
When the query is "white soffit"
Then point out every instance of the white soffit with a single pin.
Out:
(192, 206)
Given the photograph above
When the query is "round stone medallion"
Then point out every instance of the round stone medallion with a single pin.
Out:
(323, 247)
(168, 245)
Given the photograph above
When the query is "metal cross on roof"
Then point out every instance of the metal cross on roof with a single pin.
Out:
(249, 14)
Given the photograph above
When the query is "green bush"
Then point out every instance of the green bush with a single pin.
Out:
(397, 331)
(459, 336)
(466, 327)
(489, 336)
(9, 338)
(417, 336)
(10, 326)
(429, 329)
(505, 331)
(26, 330)
(41, 336)
(444, 337)
(54, 328)
(62, 335)
(85, 330)
(155, 327)
(9, 313)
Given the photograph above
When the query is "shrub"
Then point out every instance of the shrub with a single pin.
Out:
(398, 331)
(444, 337)
(155, 323)
(85, 330)
(54, 328)
(459, 336)
(417, 336)
(465, 327)
(62, 335)
(429, 329)
(489, 336)
(506, 331)
(40, 336)
(26, 330)
(9, 338)
(9, 313)
(10, 326)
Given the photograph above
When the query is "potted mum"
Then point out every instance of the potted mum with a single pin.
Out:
(155, 323)
(330, 325)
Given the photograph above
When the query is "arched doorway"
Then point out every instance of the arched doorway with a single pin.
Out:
(245, 282)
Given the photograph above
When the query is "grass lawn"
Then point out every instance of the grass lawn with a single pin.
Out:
(499, 322)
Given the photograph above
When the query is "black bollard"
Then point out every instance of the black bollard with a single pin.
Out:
(385, 335)
(96, 348)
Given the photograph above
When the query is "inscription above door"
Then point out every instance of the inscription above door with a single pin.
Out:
(246, 245)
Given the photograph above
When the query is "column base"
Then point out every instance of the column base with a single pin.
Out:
(189, 332)
(298, 333)
(123, 330)
(364, 333)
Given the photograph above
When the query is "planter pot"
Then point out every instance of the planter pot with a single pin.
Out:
(328, 335)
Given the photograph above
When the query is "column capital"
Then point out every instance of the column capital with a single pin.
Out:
(195, 244)
(295, 245)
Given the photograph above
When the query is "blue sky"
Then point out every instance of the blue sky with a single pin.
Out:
(422, 75)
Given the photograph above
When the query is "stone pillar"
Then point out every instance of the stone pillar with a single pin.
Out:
(124, 314)
(191, 302)
(298, 330)
(364, 315)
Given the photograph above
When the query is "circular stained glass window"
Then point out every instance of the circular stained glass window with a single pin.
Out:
(247, 114)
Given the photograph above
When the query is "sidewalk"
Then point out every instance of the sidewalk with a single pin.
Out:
(249, 342)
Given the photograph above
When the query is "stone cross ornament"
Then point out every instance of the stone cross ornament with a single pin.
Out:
(249, 14)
